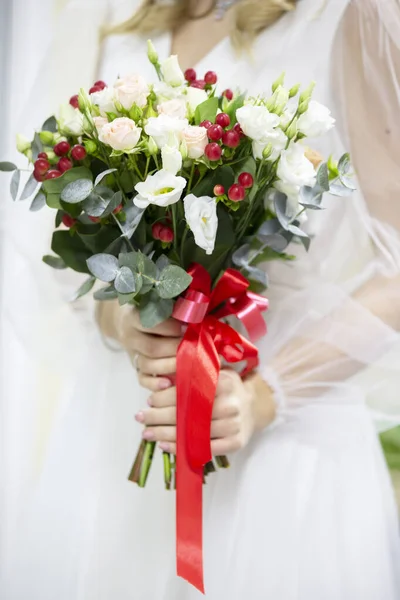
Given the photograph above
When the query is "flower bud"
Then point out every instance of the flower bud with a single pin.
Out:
(51, 155)
(278, 101)
(291, 131)
(183, 149)
(266, 153)
(306, 95)
(303, 107)
(294, 90)
(152, 53)
(46, 137)
(152, 147)
(84, 100)
(87, 124)
(23, 144)
(279, 82)
(90, 146)
(29, 155)
(135, 113)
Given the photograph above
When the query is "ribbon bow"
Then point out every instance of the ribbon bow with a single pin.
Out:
(198, 367)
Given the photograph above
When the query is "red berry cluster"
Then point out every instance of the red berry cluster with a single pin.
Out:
(210, 78)
(161, 232)
(237, 191)
(218, 132)
(96, 87)
(66, 156)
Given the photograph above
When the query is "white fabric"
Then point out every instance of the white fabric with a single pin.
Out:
(306, 511)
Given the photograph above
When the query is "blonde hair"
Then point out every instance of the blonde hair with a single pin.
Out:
(251, 17)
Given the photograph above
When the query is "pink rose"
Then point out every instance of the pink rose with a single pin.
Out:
(130, 90)
(196, 140)
(121, 134)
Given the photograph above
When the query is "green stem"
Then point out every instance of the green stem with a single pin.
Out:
(173, 210)
(167, 470)
(134, 475)
(184, 236)
(191, 177)
(128, 241)
(222, 462)
(146, 464)
(147, 167)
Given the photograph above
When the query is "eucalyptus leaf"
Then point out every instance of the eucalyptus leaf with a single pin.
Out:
(146, 266)
(275, 241)
(77, 191)
(103, 266)
(259, 275)
(71, 249)
(106, 293)
(148, 248)
(280, 203)
(50, 125)
(95, 205)
(101, 176)
(54, 261)
(323, 177)
(304, 238)
(241, 256)
(38, 202)
(269, 227)
(85, 288)
(5, 165)
(30, 187)
(161, 263)
(173, 281)
(348, 182)
(113, 204)
(344, 164)
(14, 184)
(124, 281)
(36, 147)
(154, 310)
(338, 189)
(129, 259)
(126, 298)
(206, 111)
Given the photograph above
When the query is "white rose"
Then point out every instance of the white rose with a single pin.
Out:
(196, 140)
(165, 130)
(278, 141)
(316, 120)
(105, 100)
(70, 120)
(99, 123)
(162, 189)
(201, 216)
(171, 159)
(130, 90)
(257, 122)
(171, 71)
(294, 168)
(121, 134)
(194, 97)
(173, 108)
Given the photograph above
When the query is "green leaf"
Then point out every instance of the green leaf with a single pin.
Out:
(106, 293)
(54, 261)
(14, 184)
(54, 187)
(101, 176)
(103, 266)
(233, 107)
(95, 205)
(206, 111)
(30, 187)
(50, 125)
(115, 201)
(7, 166)
(71, 249)
(173, 281)
(247, 165)
(38, 202)
(128, 259)
(146, 266)
(222, 175)
(154, 310)
(85, 288)
(125, 281)
(72, 209)
(323, 177)
(77, 191)
(101, 239)
(126, 298)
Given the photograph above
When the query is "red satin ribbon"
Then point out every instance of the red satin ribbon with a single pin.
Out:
(198, 367)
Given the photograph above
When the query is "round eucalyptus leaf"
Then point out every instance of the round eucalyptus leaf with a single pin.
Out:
(101, 176)
(14, 184)
(54, 261)
(30, 187)
(85, 288)
(173, 281)
(77, 191)
(38, 202)
(103, 266)
(125, 281)
(5, 165)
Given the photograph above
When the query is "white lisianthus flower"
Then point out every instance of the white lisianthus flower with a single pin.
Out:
(171, 159)
(196, 140)
(257, 122)
(173, 108)
(121, 134)
(70, 120)
(162, 189)
(130, 90)
(105, 100)
(316, 121)
(201, 216)
(171, 71)
(99, 123)
(278, 141)
(165, 130)
(194, 97)
(295, 168)
(165, 92)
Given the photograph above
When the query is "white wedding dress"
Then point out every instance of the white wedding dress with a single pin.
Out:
(306, 511)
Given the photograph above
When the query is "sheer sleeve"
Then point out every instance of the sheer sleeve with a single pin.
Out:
(338, 339)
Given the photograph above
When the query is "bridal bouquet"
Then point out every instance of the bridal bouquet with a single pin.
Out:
(173, 195)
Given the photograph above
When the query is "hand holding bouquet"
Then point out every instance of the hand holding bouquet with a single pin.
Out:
(173, 195)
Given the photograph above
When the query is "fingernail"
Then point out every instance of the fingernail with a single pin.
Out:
(164, 384)
(140, 417)
(164, 446)
(148, 435)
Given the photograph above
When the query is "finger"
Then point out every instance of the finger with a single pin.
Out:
(226, 406)
(157, 416)
(154, 384)
(163, 433)
(169, 447)
(225, 446)
(152, 346)
(163, 399)
(157, 366)
(169, 328)
(224, 428)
